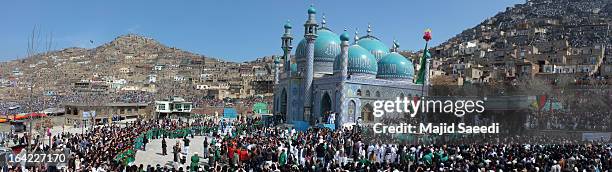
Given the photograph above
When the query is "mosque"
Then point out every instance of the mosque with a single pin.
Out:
(330, 75)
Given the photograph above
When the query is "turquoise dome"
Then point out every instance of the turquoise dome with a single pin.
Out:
(344, 37)
(312, 10)
(374, 46)
(326, 49)
(287, 25)
(359, 61)
(395, 66)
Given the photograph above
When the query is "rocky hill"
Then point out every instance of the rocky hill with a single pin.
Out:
(581, 22)
(129, 60)
(554, 36)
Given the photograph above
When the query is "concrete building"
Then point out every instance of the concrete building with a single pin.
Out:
(104, 112)
(172, 106)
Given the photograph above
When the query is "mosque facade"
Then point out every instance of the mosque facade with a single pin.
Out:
(331, 74)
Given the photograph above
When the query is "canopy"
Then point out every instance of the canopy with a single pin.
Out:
(36, 114)
(54, 111)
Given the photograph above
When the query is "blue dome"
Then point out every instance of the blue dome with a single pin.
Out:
(374, 46)
(395, 66)
(359, 61)
(327, 47)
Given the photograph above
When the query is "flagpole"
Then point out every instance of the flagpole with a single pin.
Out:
(425, 68)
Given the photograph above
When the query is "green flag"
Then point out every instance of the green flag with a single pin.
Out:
(422, 78)
(423, 69)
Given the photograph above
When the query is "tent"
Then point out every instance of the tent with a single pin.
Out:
(329, 126)
(300, 125)
(18, 125)
(556, 106)
(260, 108)
(230, 113)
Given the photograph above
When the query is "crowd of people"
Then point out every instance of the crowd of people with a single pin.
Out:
(596, 120)
(50, 101)
(134, 97)
(250, 146)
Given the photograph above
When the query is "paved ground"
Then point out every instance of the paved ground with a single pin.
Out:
(153, 155)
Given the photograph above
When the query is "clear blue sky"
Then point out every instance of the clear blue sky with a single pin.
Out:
(236, 30)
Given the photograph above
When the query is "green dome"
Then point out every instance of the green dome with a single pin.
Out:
(312, 10)
(395, 66)
(374, 46)
(327, 47)
(359, 61)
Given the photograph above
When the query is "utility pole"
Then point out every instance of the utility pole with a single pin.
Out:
(30, 52)
(44, 96)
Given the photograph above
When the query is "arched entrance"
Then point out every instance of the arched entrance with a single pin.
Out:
(326, 107)
(367, 113)
(283, 106)
(351, 110)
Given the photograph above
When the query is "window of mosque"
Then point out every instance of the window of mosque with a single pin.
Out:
(359, 92)
(367, 93)
(351, 108)
(377, 94)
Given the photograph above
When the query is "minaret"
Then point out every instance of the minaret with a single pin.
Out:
(276, 69)
(344, 46)
(286, 46)
(356, 38)
(395, 46)
(323, 21)
(344, 38)
(310, 34)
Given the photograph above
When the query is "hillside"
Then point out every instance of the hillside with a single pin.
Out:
(534, 39)
(577, 21)
(129, 61)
